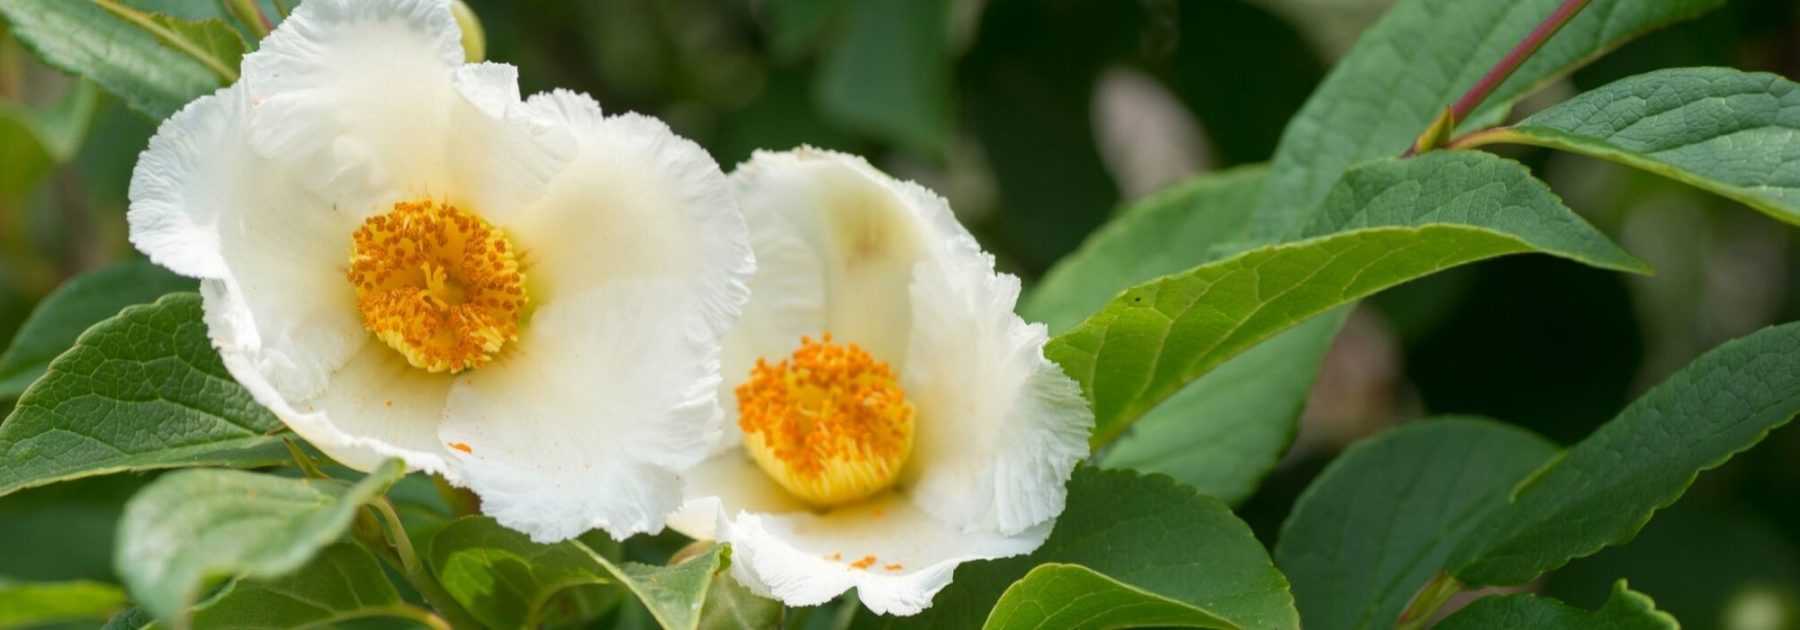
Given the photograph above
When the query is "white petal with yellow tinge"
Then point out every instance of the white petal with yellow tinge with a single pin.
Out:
(883, 265)
(632, 261)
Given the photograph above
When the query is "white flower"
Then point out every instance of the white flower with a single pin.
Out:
(402, 258)
(894, 418)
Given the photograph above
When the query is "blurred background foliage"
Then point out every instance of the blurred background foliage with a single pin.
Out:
(1037, 118)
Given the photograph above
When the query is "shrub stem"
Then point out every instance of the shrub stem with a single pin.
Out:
(1495, 76)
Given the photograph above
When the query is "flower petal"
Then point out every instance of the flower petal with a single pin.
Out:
(787, 303)
(186, 181)
(896, 556)
(203, 204)
(636, 202)
(502, 154)
(864, 235)
(378, 406)
(357, 94)
(586, 421)
(1000, 427)
(727, 484)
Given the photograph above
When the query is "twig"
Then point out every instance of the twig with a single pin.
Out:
(1496, 76)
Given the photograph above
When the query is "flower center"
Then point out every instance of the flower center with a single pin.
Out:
(438, 284)
(830, 424)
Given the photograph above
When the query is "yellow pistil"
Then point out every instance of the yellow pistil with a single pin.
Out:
(438, 284)
(830, 424)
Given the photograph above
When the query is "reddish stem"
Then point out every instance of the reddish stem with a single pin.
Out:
(1498, 74)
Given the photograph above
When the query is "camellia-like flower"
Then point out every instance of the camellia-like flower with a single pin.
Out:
(894, 418)
(402, 258)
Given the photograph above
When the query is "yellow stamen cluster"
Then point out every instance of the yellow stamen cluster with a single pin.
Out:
(830, 424)
(438, 284)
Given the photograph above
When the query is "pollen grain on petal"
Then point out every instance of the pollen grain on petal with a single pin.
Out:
(830, 423)
(864, 563)
(438, 284)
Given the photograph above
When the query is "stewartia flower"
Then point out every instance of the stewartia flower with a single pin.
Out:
(894, 418)
(403, 258)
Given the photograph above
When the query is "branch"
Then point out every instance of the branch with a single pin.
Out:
(1497, 75)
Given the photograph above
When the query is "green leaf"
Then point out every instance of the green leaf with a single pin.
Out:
(190, 526)
(139, 391)
(1604, 489)
(1625, 610)
(1382, 519)
(343, 583)
(58, 129)
(72, 308)
(1402, 219)
(1724, 131)
(1226, 430)
(1144, 532)
(674, 594)
(27, 604)
(730, 606)
(210, 42)
(1405, 70)
(1494, 506)
(1743, 556)
(33, 140)
(890, 73)
(1195, 222)
(27, 160)
(501, 576)
(64, 532)
(154, 74)
(1076, 598)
